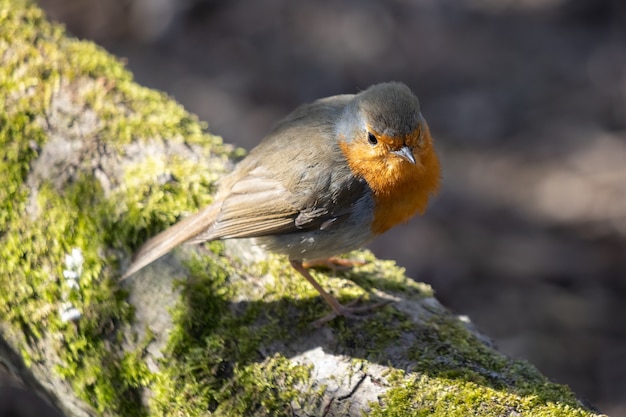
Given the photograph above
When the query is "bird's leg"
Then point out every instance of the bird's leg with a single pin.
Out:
(333, 263)
(337, 307)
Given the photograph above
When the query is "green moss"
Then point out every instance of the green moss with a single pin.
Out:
(36, 290)
(425, 395)
(214, 361)
(385, 275)
(454, 374)
(47, 79)
(152, 205)
(446, 349)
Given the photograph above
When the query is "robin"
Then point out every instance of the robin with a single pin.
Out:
(327, 179)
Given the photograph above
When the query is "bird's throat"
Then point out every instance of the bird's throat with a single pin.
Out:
(400, 189)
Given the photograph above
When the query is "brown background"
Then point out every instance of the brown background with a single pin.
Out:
(526, 100)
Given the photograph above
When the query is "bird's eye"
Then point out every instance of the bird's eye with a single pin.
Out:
(371, 139)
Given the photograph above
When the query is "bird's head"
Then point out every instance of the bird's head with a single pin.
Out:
(386, 140)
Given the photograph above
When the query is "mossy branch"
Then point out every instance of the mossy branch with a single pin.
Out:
(93, 164)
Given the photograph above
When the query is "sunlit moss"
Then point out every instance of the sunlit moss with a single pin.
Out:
(420, 395)
(42, 69)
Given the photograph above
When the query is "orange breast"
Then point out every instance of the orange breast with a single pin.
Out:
(400, 188)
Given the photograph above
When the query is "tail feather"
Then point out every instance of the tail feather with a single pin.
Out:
(175, 235)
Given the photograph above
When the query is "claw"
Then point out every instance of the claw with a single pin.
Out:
(338, 309)
(349, 312)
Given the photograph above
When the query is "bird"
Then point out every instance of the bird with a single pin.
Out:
(329, 177)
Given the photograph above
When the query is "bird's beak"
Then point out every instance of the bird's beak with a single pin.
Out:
(406, 153)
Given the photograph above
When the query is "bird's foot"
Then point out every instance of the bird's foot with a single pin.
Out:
(349, 311)
(333, 263)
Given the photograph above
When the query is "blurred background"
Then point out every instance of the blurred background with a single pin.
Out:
(526, 101)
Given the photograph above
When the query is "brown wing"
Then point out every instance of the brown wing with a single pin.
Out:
(254, 206)
(258, 205)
